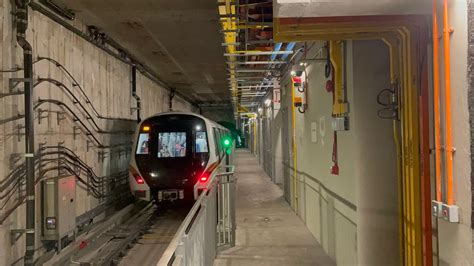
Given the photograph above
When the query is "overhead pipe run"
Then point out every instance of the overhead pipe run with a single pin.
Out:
(21, 27)
(63, 12)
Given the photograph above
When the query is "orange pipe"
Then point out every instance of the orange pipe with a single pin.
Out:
(437, 114)
(447, 75)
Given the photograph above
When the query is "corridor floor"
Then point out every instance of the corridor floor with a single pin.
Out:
(268, 231)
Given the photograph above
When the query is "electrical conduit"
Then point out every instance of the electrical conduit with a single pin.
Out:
(447, 75)
(21, 27)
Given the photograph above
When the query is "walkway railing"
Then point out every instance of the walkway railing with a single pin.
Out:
(209, 225)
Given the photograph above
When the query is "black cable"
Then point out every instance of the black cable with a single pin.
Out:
(328, 66)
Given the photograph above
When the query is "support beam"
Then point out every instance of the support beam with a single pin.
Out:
(247, 53)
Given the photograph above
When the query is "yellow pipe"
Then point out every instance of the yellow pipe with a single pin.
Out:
(295, 172)
(243, 26)
(395, 71)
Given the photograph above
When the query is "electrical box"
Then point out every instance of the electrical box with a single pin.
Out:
(340, 123)
(59, 210)
(298, 101)
(450, 213)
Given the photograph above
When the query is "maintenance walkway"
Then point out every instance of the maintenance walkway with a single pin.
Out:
(268, 231)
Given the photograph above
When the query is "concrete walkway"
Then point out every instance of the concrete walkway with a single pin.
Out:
(268, 231)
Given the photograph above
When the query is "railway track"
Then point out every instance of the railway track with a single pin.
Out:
(139, 240)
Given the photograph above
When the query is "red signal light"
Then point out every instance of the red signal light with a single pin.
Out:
(139, 179)
(204, 177)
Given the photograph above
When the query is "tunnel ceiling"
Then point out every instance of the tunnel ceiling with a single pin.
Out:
(180, 40)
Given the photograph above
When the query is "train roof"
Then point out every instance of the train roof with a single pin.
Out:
(185, 113)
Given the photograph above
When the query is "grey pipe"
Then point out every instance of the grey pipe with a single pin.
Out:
(171, 96)
(133, 85)
(21, 26)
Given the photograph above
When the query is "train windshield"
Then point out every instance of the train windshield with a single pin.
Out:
(171, 144)
(201, 142)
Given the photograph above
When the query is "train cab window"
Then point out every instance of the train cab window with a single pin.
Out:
(171, 144)
(142, 147)
(201, 142)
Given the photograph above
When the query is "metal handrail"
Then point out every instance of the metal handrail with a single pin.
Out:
(169, 255)
(228, 172)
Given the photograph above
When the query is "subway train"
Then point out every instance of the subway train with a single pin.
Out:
(174, 156)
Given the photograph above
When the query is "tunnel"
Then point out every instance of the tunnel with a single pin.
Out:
(237, 132)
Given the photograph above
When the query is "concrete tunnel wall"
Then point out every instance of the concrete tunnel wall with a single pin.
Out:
(350, 213)
(106, 82)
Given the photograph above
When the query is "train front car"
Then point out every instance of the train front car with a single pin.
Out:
(171, 152)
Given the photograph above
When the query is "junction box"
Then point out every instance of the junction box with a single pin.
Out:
(59, 211)
(449, 213)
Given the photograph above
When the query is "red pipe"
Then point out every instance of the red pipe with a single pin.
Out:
(437, 115)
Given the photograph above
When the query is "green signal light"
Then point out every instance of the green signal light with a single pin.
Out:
(226, 142)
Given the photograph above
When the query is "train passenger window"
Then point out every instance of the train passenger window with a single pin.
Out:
(171, 144)
(142, 147)
(221, 137)
(219, 141)
(216, 142)
(201, 142)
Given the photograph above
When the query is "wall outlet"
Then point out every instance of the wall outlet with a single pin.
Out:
(437, 208)
(450, 213)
